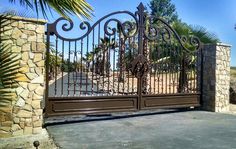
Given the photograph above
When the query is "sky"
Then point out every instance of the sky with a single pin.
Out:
(218, 16)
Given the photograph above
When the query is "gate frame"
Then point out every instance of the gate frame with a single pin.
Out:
(137, 102)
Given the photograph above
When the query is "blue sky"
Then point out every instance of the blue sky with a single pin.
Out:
(218, 16)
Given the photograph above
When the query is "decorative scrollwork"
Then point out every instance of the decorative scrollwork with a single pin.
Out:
(167, 33)
(128, 29)
(139, 66)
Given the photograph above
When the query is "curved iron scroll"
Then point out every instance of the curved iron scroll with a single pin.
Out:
(127, 28)
(165, 31)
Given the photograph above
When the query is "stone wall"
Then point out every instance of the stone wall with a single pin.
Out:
(216, 77)
(25, 114)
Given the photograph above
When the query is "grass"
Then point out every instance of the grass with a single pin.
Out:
(233, 72)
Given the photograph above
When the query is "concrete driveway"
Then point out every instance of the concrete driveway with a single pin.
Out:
(178, 130)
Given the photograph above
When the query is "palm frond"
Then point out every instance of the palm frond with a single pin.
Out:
(203, 34)
(63, 7)
(9, 65)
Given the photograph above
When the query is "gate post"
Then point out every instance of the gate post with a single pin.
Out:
(24, 116)
(216, 77)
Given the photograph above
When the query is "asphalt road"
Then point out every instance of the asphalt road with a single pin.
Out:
(71, 86)
(180, 130)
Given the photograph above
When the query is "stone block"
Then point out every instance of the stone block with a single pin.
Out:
(24, 113)
(38, 57)
(28, 107)
(18, 133)
(32, 87)
(15, 127)
(16, 120)
(38, 112)
(40, 91)
(37, 130)
(6, 129)
(36, 104)
(25, 94)
(20, 41)
(16, 49)
(26, 47)
(20, 102)
(7, 123)
(40, 63)
(28, 130)
(16, 33)
(24, 69)
(38, 80)
(31, 76)
(25, 56)
(30, 27)
(37, 97)
(37, 123)
(30, 63)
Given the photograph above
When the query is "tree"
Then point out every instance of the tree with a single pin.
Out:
(164, 9)
(63, 7)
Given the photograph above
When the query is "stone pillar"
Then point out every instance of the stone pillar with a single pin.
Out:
(216, 77)
(24, 116)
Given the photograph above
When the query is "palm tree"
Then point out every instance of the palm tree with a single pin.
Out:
(63, 7)
(188, 60)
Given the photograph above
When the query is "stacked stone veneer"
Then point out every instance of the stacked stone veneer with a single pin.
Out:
(216, 77)
(24, 116)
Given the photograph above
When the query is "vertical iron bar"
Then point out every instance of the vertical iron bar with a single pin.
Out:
(63, 68)
(114, 65)
(119, 59)
(93, 62)
(69, 65)
(108, 64)
(75, 68)
(151, 67)
(140, 48)
(103, 61)
(87, 67)
(81, 67)
(56, 67)
(47, 108)
(98, 79)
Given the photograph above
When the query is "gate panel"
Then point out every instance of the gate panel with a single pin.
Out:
(116, 65)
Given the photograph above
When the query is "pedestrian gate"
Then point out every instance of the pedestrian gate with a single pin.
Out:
(123, 62)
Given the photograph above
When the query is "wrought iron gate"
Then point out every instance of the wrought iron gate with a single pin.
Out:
(115, 65)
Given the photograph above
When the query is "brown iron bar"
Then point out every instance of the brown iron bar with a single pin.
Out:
(47, 69)
(123, 65)
(68, 91)
(158, 72)
(93, 62)
(81, 63)
(87, 67)
(170, 70)
(63, 65)
(56, 68)
(129, 42)
(75, 78)
(140, 48)
(103, 63)
(150, 70)
(108, 64)
(114, 61)
(98, 78)
(132, 58)
(166, 70)
(119, 58)
(163, 54)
